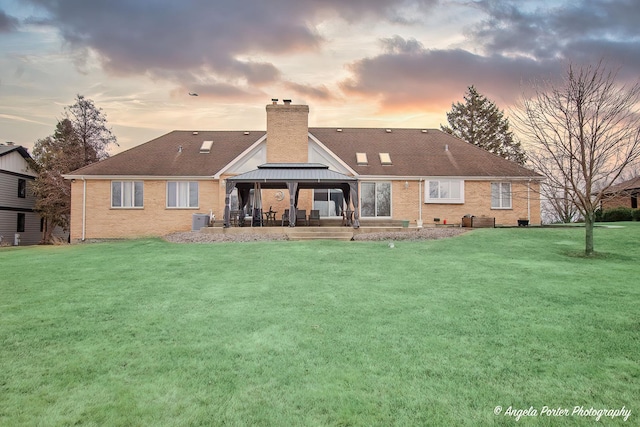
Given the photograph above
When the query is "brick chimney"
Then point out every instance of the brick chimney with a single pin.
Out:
(287, 132)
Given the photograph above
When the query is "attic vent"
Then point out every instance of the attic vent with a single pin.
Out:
(388, 130)
(339, 130)
(424, 131)
(385, 158)
(361, 158)
(195, 132)
(206, 147)
(246, 132)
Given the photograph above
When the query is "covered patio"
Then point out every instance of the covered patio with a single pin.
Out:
(293, 177)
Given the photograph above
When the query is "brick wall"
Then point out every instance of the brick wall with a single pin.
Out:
(406, 204)
(287, 133)
(154, 219)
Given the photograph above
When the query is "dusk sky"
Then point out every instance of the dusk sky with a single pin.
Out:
(356, 63)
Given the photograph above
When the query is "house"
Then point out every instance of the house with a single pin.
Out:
(423, 176)
(19, 223)
(623, 195)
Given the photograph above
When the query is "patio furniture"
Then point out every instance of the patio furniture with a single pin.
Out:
(285, 217)
(270, 216)
(314, 215)
(301, 215)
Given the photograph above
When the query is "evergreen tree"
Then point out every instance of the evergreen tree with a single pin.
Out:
(479, 122)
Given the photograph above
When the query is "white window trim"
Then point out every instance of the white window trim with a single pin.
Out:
(496, 208)
(177, 198)
(133, 195)
(448, 201)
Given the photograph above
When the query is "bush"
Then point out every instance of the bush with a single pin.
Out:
(636, 214)
(617, 214)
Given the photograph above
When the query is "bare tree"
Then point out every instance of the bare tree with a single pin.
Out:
(583, 134)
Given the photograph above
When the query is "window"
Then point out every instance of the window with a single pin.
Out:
(330, 203)
(500, 195)
(126, 194)
(444, 191)
(375, 199)
(385, 158)
(361, 159)
(21, 221)
(22, 188)
(182, 194)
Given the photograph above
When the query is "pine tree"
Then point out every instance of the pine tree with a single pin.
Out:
(479, 122)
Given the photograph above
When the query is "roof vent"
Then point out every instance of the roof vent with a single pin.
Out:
(180, 149)
(195, 132)
(385, 158)
(206, 146)
(388, 130)
(424, 131)
(246, 132)
(446, 147)
(339, 130)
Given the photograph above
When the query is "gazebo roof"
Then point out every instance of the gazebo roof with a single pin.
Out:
(281, 173)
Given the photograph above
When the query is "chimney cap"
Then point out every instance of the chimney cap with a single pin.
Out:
(286, 101)
(274, 101)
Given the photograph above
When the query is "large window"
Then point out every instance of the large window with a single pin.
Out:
(444, 191)
(328, 202)
(500, 195)
(126, 194)
(375, 199)
(182, 194)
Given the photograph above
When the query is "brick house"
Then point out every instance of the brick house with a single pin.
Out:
(424, 176)
(19, 223)
(623, 195)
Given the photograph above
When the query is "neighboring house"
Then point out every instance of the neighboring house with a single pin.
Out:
(421, 175)
(19, 223)
(623, 195)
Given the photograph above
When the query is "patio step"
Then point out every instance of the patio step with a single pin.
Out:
(317, 233)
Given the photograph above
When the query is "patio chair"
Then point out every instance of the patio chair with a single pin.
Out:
(285, 217)
(314, 215)
(301, 215)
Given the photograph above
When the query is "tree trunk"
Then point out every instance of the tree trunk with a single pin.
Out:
(588, 226)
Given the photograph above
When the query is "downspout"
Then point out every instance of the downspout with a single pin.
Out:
(84, 208)
(529, 201)
(420, 204)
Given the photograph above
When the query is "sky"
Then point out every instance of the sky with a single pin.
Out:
(356, 63)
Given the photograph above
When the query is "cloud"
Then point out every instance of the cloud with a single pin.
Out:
(321, 92)
(219, 37)
(419, 78)
(7, 23)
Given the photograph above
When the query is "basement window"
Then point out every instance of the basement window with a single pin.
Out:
(361, 159)
(385, 158)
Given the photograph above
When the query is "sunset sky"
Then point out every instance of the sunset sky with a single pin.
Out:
(356, 63)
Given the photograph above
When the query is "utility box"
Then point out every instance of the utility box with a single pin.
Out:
(198, 221)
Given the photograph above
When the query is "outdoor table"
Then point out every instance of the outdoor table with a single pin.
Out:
(270, 217)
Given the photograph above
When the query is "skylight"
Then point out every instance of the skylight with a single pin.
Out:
(361, 158)
(385, 158)
(206, 146)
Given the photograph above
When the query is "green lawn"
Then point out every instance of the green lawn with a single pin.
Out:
(322, 333)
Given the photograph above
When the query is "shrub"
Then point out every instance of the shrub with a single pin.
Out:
(636, 214)
(617, 214)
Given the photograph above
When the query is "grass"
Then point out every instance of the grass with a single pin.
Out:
(436, 333)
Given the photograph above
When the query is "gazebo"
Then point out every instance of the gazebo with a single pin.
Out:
(293, 177)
